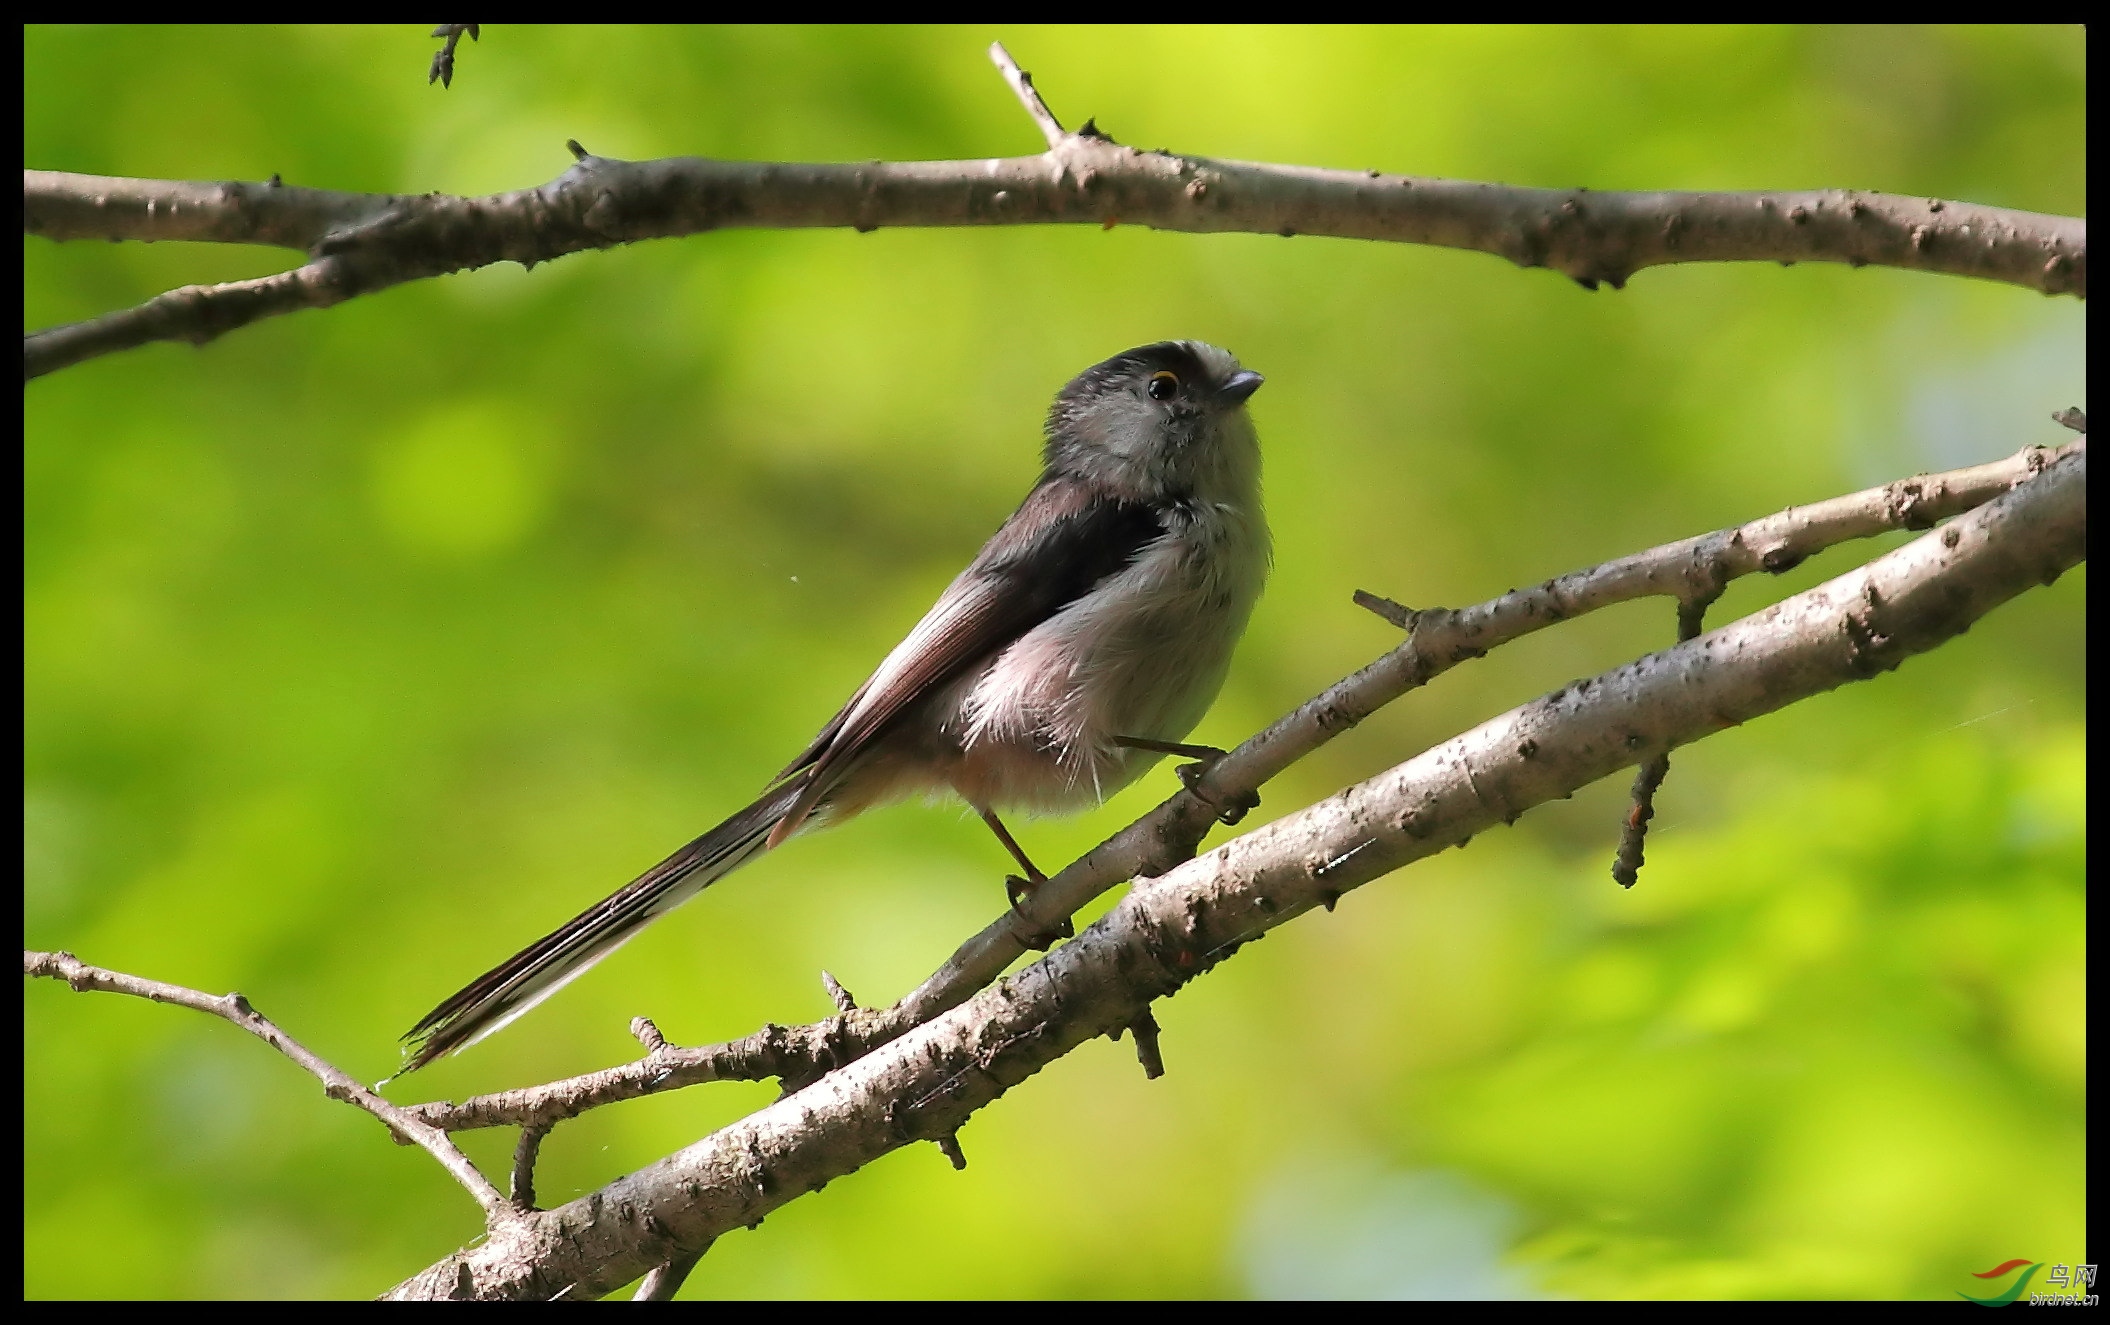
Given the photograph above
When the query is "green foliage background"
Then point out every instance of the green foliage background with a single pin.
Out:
(365, 645)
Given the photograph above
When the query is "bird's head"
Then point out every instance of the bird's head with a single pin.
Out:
(1163, 422)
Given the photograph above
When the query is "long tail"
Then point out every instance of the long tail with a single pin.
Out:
(495, 998)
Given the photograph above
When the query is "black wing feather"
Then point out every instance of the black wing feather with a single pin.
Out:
(1062, 541)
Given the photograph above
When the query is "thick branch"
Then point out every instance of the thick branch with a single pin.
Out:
(1440, 639)
(335, 1083)
(1084, 177)
(1168, 931)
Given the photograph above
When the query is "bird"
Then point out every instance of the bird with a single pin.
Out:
(1082, 644)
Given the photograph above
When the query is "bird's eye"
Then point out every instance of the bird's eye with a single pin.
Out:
(1163, 386)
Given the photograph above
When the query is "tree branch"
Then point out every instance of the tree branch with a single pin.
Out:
(1439, 640)
(195, 313)
(1170, 930)
(794, 1054)
(360, 243)
(336, 1084)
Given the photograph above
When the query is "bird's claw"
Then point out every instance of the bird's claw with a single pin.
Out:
(1017, 889)
(1189, 774)
(1232, 810)
(1040, 939)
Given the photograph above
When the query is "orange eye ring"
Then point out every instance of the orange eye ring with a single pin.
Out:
(1163, 386)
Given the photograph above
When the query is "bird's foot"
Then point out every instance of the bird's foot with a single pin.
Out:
(1035, 936)
(1229, 810)
(1018, 889)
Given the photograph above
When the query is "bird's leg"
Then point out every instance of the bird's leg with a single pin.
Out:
(1018, 889)
(1189, 774)
(1034, 878)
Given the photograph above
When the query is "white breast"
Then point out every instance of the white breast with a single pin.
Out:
(1143, 654)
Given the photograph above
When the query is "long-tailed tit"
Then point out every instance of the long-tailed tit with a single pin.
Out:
(1083, 642)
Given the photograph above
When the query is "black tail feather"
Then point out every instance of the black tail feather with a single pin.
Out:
(546, 965)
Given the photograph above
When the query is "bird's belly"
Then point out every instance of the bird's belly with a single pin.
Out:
(1142, 656)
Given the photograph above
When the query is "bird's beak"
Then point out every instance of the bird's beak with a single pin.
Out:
(1241, 385)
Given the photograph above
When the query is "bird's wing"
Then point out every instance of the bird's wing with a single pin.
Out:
(1060, 542)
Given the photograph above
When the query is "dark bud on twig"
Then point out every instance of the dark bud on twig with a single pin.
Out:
(950, 1144)
(1779, 561)
(2071, 417)
(841, 996)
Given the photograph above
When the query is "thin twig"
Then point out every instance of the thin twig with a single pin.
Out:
(838, 995)
(665, 1280)
(443, 59)
(196, 313)
(1145, 1030)
(525, 1153)
(1397, 613)
(336, 1084)
(1633, 833)
(794, 1055)
(1028, 95)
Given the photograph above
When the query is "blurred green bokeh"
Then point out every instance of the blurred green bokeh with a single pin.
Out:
(365, 645)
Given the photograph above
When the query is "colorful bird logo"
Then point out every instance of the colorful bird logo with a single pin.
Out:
(2014, 1291)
